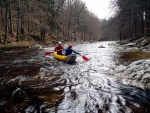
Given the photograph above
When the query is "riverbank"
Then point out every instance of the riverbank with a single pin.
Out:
(32, 44)
(136, 73)
(25, 41)
(15, 45)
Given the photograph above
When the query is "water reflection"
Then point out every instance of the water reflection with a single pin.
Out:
(128, 57)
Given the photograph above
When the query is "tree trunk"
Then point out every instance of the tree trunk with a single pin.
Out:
(63, 30)
(135, 20)
(43, 34)
(21, 17)
(28, 25)
(18, 21)
(2, 20)
(1, 16)
(68, 30)
(135, 28)
(6, 23)
(147, 15)
(10, 22)
(142, 23)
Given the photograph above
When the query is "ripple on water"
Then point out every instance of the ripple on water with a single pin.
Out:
(48, 85)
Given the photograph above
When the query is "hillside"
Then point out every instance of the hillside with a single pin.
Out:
(45, 22)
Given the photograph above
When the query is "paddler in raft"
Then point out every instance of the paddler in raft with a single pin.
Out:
(69, 50)
(59, 48)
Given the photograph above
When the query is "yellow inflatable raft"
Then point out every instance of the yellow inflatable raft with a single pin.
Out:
(69, 58)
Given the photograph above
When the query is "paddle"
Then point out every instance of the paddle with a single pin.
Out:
(48, 53)
(84, 57)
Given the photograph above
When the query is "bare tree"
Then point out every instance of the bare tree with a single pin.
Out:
(43, 19)
(133, 17)
(6, 22)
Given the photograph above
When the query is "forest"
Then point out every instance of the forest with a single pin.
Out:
(70, 20)
(132, 20)
(47, 20)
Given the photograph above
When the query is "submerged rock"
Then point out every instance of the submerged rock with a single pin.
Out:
(136, 74)
(130, 45)
(1, 51)
(101, 46)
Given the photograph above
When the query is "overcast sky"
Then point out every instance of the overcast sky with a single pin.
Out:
(100, 7)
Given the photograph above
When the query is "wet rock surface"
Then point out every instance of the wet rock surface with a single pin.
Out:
(136, 74)
(136, 71)
(31, 82)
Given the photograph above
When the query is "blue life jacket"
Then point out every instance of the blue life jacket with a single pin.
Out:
(68, 51)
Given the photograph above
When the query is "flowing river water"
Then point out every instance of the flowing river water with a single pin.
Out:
(33, 83)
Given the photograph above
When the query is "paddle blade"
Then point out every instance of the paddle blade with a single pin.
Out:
(47, 53)
(85, 58)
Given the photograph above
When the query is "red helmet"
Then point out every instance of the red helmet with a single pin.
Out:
(70, 45)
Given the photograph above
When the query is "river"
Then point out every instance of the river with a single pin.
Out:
(31, 82)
